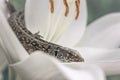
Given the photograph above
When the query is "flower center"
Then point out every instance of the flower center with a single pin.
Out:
(77, 5)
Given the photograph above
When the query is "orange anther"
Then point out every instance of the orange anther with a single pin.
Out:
(52, 5)
(67, 7)
(77, 3)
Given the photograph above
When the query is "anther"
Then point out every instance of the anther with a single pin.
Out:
(77, 3)
(52, 6)
(67, 7)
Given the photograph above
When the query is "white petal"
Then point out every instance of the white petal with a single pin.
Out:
(18, 78)
(13, 75)
(110, 68)
(43, 67)
(1, 76)
(57, 19)
(103, 33)
(77, 28)
(108, 59)
(93, 69)
(3, 60)
(36, 16)
(10, 44)
(3, 7)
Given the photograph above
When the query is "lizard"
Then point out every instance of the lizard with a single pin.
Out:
(33, 42)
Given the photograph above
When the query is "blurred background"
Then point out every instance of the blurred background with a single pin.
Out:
(96, 9)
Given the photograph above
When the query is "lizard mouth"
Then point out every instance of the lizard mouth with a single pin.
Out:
(77, 4)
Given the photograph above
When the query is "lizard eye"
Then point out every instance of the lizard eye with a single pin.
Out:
(77, 4)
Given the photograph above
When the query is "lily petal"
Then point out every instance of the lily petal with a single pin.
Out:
(108, 59)
(57, 19)
(3, 7)
(18, 78)
(103, 33)
(1, 77)
(36, 16)
(45, 67)
(10, 44)
(100, 75)
(77, 28)
(3, 60)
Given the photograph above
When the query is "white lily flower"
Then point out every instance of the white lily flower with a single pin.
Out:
(101, 36)
(65, 31)
(43, 66)
(39, 66)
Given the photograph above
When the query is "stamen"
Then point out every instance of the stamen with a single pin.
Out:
(52, 6)
(67, 7)
(77, 3)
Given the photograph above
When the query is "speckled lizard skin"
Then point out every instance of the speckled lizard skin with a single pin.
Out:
(33, 42)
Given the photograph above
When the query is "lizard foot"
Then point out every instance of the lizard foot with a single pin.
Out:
(37, 35)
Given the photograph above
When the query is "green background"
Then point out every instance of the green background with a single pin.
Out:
(96, 9)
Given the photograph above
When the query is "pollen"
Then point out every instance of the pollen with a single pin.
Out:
(77, 5)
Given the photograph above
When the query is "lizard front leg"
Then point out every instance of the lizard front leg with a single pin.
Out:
(36, 35)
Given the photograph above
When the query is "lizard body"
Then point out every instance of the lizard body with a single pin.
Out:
(32, 42)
